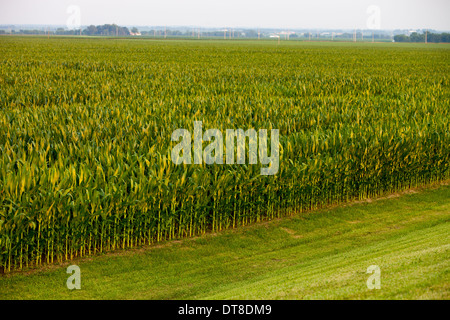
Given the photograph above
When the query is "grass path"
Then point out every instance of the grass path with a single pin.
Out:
(317, 255)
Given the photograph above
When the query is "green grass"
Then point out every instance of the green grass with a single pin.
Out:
(317, 255)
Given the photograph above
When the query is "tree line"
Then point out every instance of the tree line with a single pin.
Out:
(420, 37)
(101, 30)
(115, 30)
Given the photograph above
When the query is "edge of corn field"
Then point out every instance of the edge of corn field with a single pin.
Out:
(171, 249)
(165, 243)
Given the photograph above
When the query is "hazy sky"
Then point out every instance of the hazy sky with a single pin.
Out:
(392, 14)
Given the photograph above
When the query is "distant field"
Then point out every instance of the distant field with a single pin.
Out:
(86, 124)
(318, 255)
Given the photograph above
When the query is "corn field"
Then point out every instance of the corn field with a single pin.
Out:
(85, 135)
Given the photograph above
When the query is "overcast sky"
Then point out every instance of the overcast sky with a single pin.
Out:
(392, 14)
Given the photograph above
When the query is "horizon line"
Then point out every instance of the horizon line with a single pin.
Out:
(221, 27)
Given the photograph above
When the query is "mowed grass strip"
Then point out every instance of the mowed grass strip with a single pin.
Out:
(317, 255)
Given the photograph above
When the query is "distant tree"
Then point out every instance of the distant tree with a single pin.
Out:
(251, 34)
(91, 30)
(445, 37)
(401, 38)
(106, 30)
(134, 30)
(416, 37)
(433, 37)
(346, 35)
